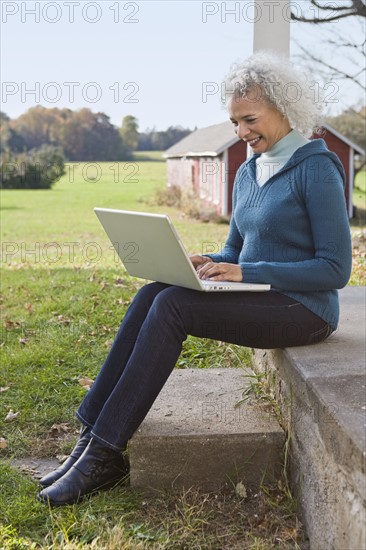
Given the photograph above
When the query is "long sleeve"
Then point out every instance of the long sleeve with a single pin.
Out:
(331, 264)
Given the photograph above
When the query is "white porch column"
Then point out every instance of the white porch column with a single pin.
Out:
(271, 29)
(272, 26)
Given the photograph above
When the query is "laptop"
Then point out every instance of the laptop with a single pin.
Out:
(150, 248)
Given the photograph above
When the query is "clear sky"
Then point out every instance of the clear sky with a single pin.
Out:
(152, 59)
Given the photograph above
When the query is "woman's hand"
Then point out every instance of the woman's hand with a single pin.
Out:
(198, 260)
(220, 271)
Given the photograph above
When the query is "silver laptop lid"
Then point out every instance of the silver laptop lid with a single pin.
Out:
(148, 246)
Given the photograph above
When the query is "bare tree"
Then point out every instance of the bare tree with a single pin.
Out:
(349, 49)
(337, 51)
(331, 11)
(337, 54)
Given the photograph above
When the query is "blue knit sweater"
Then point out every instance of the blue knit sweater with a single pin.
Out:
(293, 232)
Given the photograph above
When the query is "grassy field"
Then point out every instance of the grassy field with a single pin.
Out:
(64, 294)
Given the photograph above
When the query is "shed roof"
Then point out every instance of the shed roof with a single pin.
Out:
(210, 141)
(214, 140)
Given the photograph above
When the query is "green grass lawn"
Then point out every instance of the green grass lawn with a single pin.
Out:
(64, 293)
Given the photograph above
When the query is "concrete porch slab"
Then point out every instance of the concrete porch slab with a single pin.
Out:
(194, 435)
(321, 390)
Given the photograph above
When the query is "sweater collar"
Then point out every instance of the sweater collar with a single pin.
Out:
(313, 147)
(285, 147)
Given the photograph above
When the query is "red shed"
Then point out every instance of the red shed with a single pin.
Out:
(206, 161)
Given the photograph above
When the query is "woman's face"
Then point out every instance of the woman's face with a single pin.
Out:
(257, 122)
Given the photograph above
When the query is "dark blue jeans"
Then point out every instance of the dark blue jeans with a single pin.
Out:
(150, 338)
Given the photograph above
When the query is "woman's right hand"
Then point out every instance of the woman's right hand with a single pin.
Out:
(198, 260)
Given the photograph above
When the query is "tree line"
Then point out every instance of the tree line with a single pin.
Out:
(82, 135)
(41, 137)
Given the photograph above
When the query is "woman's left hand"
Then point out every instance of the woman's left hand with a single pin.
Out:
(220, 272)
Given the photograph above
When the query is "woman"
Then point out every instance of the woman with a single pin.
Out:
(289, 228)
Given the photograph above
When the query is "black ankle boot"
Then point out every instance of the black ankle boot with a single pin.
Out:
(75, 454)
(98, 468)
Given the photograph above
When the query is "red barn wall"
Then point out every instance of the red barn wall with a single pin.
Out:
(341, 149)
(237, 154)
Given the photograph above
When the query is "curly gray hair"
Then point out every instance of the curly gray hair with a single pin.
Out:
(278, 83)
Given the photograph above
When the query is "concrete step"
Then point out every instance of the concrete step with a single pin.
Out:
(195, 435)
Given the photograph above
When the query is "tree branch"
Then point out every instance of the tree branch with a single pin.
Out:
(317, 20)
(358, 8)
(331, 8)
(343, 74)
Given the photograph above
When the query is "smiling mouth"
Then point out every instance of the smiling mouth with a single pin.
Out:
(253, 142)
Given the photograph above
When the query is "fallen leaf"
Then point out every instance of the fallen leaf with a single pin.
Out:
(86, 382)
(29, 308)
(59, 429)
(11, 324)
(108, 343)
(290, 533)
(63, 320)
(27, 468)
(11, 415)
(240, 490)
(23, 341)
(119, 282)
(3, 443)
(2, 389)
